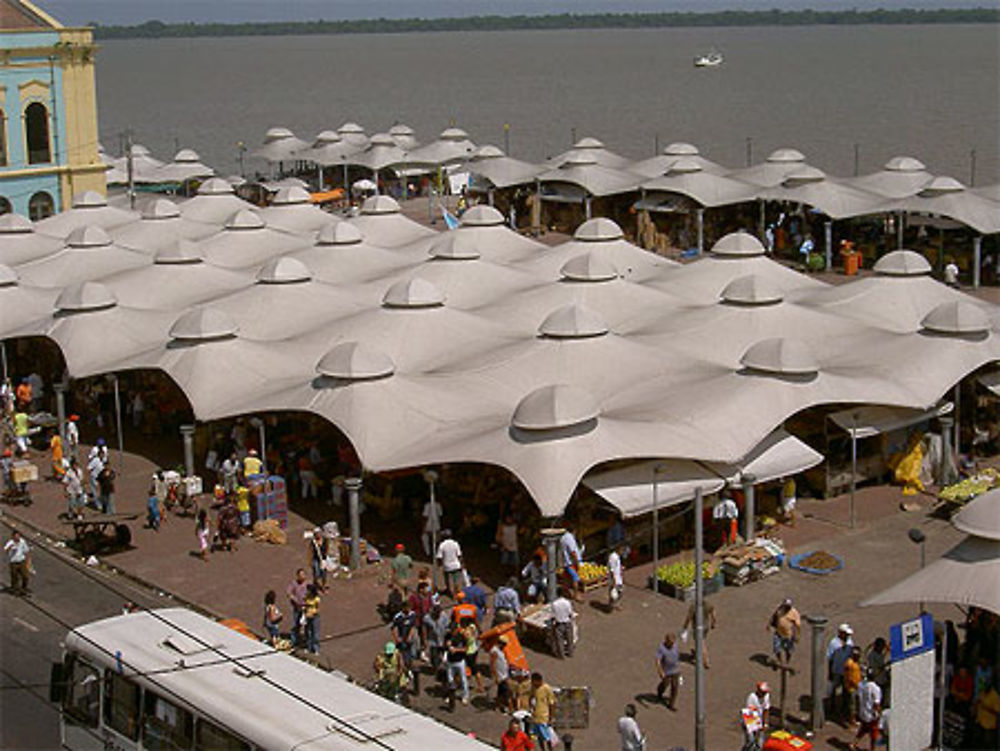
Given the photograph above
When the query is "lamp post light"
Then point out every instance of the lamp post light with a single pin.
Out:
(433, 520)
(656, 523)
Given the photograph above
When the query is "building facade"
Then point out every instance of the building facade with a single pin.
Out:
(48, 112)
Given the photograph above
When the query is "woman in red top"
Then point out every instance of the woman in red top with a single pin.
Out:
(515, 739)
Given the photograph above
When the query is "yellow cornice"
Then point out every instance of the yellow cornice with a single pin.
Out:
(53, 169)
(41, 14)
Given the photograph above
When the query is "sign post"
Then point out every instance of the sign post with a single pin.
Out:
(911, 721)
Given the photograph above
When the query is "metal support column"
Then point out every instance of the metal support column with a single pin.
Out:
(550, 538)
(656, 526)
(353, 485)
(946, 468)
(828, 238)
(587, 207)
(701, 230)
(818, 623)
(977, 260)
(699, 618)
(750, 506)
(118, 425)
(187, 433)
(60, 389)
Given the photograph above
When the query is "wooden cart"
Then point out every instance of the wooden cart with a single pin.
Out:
(102, 532)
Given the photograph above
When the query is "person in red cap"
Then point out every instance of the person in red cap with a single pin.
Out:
(402, 568)
(756, 712)
(73, 437)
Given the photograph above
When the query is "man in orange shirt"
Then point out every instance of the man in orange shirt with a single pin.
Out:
(852, 679)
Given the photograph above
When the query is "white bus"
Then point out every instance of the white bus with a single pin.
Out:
(174, 680)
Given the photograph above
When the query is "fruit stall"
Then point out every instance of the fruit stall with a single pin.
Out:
(677, 579)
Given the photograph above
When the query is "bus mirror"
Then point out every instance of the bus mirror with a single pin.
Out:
(57, 683)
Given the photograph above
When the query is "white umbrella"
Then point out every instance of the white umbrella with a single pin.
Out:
(214, 204)
(773, 170)
(687, 177)
(451, 147)
(90, 209)
(490, 165)
(947, 197)
(19, 243)
(900, 177)
(661, 164)
(590, 149)
(812, 187)
(280, 145)
(247, 241)
(382, 223)
(21, 305)
(89, 254)
(291, 210)
(341, 255)
(161, 226)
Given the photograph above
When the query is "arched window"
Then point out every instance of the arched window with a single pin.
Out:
(36, 126)
(5, 207)
(3, 139)
(40, 206)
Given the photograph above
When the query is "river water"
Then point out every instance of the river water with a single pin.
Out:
(927, 91)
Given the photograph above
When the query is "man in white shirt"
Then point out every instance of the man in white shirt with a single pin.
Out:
(449, 553)
(628, 728)
(951, 273)
(758, 707)
(19, 558)
(727, 513)
(230, 472)
(96, 460)
(869, 710)
(73, 437)
(615, 582)
(562, 625)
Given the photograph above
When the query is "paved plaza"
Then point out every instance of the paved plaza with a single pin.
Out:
(615, 654)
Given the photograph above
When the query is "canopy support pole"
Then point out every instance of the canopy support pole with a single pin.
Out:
(977, 260)
(353, 485)
(587, 207)
(945, 469)
(828, 238)
(854, 463)
(118, 425)
(700, 214)
(187, 433)
(489, 196)
(60, 388)
(656, 527)
(958, 418)
(320, 177)
(762, 233)
(750, 510)
(699, 623)
(901, 216)
(536, 210)
(550, 538)
(819, 671)
(435, 514)
(3, 357)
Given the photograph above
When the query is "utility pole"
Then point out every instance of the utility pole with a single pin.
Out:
(240, 151)
(749, 151)
(857, 158)
(506, 139)
(972, 168)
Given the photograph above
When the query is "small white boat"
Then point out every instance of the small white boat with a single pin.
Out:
(711, 60)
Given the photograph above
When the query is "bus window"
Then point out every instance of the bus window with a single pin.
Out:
(121, 705)
(165, 726)
(83, 694)
(209, 737)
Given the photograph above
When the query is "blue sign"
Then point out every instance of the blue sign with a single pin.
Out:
(911, 638)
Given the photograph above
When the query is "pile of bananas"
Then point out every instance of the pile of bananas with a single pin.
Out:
(971, 487)
(591, 572)
(681, 575)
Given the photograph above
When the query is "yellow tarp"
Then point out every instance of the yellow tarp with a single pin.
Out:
(327, 195)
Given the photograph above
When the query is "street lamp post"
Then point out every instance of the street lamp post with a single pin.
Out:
(818, 623)
(431, 477)
(919, 538)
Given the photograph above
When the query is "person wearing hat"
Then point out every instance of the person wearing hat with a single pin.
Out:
(96, 460)
(757, 713)
(390, 673)
(837, 652)
(852, 680)
(402, 568)
(73, 437)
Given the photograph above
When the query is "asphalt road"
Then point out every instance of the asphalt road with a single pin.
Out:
(64, 594)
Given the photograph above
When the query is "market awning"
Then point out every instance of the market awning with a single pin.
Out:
(779, 455)
(865, 422)
(630, 488)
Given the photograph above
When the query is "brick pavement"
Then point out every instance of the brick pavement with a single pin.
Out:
(615, 656)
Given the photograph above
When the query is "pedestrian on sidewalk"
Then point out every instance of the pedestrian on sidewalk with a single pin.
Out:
(296, 592)
(727, 513)
(536, 574)
(514, 738)
(476, 595)
(96, 460)
(837, 652)
(73, 483)
(500, 674)
(58, 465)
(668, 667)
(437, 627)
(456, 665)
(449, 553)
(869, 710)
(421, 603)
(106, 485)
(786, 623)
(242, 507)
(707, 624)
(230, 473)
(404, 632)
(310, 611)
(788, 501)
(506, 603)
(852, 680)
(432, 524)
(506, 539)
(19, 560)
(204, 533)
(272, 617)
(628, 728)
(571, 557)
(562, 625)
(543, 705)
(154, 509)
(319, 549)
(73, 437)
(616, 584)
(756, 715)
(402, 568)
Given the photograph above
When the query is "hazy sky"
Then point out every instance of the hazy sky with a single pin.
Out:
(138, 11)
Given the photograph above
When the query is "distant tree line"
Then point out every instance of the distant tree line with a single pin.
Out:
(152, 29)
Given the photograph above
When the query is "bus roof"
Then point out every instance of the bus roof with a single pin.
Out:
(245, 697)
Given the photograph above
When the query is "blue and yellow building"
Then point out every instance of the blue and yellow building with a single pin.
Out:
(48, 112)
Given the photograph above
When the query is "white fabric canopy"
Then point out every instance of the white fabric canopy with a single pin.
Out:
(19, 243)
(871, 420)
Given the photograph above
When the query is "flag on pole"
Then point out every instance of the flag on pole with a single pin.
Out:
(450, 219)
